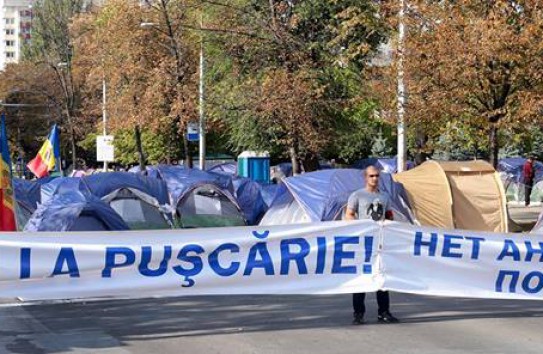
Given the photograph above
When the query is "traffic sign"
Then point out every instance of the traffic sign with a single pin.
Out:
(193, 131)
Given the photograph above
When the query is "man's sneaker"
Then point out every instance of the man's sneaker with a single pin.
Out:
(386, 317)
(358, 319)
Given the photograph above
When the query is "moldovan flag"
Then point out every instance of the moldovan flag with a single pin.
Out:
(7, 205)
(48, 157)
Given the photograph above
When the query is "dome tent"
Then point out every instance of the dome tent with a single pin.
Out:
(249, 197)
(200, 198)
(27, 198)
(459, 194)
(322, 196)
(62, 185)
(75, 212)
(142, 202)
(248, 193)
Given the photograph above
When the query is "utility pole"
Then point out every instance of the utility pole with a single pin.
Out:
(202, 123)
(401, 90)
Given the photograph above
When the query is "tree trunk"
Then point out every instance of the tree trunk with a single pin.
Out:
(186, 150)
(139, 147)
(420, 143)
(295, 161)
(72, 143)
(493, 144)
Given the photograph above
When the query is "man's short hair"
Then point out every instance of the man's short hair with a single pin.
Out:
(370, 167)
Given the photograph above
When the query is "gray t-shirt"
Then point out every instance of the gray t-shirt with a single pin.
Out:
(369, 205)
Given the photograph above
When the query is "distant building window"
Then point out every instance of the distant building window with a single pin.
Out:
(9, 21)
(10, 32)
(10, 55)
(10, 43)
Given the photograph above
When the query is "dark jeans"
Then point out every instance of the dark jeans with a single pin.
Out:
(527, 192)
(383, 302)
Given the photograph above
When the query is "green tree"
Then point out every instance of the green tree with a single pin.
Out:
(287, 85)
(51, 48)
(475, 61)
(149, 67)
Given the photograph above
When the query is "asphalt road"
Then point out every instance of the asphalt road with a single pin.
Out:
(272, 324)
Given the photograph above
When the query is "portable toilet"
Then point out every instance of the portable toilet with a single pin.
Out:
(255, 165)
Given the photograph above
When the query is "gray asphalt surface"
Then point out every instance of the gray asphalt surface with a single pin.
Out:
(273, 324)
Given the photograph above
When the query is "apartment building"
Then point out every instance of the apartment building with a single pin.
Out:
(15, 29)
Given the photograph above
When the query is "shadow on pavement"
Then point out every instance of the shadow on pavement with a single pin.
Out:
(155, 319)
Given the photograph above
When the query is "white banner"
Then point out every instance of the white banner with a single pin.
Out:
(323, 258)
(319, 258)
(462, 263)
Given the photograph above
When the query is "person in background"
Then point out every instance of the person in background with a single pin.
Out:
(528, 171)
(369, 203)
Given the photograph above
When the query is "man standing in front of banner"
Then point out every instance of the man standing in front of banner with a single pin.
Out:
(369, 203)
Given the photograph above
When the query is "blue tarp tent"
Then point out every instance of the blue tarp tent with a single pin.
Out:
(150, 171)
(268, 193)
(201, 198)
(512, 175)
(227, 168)
(27, 192)
(141, 201)
(248, 193)
(75, 212)
(249, 197)
(322, 196)
(513, 167)
(28, 197)
(280, 171)
(62, 185)
(386, 164)
(180, 180)
(102, 184)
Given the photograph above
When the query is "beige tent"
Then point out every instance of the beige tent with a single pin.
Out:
(463, 195)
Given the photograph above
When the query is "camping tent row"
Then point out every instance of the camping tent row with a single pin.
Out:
(194, 199)
(452, 195)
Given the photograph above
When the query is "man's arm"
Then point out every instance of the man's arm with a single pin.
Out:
(350, 209)
(350, 214)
